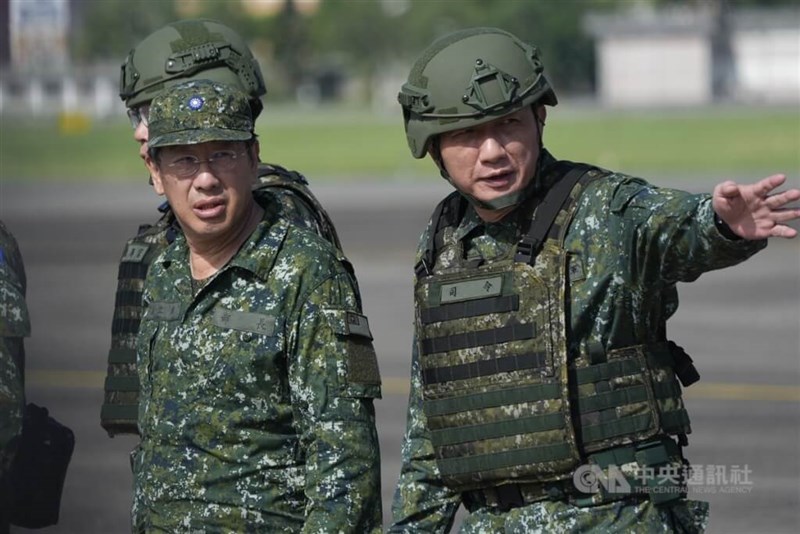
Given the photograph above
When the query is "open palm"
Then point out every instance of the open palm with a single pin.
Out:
(752, 212)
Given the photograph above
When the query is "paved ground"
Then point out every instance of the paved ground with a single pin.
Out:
(741, 325)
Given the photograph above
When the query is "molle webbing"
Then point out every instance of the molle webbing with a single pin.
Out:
(465, 452)
(469, 308)
(502, 364)
(648, 403)
(493, 461)
(492, 399)
(501, 405)
(513, 427)
(493, 392)
(119, 412)
(481, 338)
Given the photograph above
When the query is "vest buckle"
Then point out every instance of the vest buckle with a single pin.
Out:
(526, 249)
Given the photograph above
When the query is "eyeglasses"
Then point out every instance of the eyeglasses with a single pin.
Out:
(139, 114)
(221, 161)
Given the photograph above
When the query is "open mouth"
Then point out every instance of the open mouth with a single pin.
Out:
(209, 209)
(499, 180)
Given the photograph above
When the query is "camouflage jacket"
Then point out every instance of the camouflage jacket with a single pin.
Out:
(631, 243)
(289, 189)
(14, 326)
(257, 390)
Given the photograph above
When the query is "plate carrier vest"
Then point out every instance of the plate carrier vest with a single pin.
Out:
(503, 402)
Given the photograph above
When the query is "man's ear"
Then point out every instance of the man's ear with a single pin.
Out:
(541, 114)
(256, 153)
(155, 174)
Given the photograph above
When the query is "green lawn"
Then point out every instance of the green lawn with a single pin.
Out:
(340, 144)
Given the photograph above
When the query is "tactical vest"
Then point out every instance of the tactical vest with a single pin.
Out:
(503, 402)
(119, 412)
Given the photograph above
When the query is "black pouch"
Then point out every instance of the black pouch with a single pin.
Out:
(36, 477)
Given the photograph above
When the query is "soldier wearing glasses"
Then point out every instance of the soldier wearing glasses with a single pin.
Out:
(191, 49)
(256, 366)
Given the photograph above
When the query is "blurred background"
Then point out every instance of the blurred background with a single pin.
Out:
(683, 93)
(334, 67)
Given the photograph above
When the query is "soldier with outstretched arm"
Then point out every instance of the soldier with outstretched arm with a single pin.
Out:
(541, 363)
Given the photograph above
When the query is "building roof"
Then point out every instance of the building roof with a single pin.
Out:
(644, 19)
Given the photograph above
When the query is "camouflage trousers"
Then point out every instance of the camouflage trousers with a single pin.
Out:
(555, 517)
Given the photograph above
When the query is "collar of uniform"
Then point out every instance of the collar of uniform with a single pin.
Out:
(257, 254)
(469, 222)
(546, 177)
(472, 223)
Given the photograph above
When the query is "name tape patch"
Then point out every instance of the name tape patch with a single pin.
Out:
(358, 325)
(164, 311)
(471, 289)
(246, 321)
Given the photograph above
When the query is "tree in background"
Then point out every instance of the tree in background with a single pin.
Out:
(298, 41)
(108, 30)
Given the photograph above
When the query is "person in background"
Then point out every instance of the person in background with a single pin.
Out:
(14, 328)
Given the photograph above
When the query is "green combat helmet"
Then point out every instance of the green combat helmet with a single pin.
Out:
(467, 78)
(188, 50)
(180, 52)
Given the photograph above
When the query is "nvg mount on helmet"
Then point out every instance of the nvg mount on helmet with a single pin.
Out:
(468, 78)
(186, 50)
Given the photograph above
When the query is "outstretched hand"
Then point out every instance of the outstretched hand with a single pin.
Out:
(752, 212)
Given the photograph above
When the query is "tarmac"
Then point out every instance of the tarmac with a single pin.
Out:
(741, 325)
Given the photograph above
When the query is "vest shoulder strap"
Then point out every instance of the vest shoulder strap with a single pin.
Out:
(555, 200)
(163, 232)
(274, 176)
(448, 213)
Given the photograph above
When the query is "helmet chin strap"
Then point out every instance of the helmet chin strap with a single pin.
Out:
(503, 201)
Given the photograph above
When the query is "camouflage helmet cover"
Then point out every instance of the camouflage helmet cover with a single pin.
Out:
(468, 78)
(186, 50)
(198, 112)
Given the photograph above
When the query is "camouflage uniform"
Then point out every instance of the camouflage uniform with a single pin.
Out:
(667, 236)
(14, 326)
(181, 51)
(298, 205)
(256, 406)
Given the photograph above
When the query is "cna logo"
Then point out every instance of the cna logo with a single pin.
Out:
(590, 478)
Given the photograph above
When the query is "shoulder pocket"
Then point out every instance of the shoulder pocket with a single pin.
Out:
(362, 377)
(625, 193)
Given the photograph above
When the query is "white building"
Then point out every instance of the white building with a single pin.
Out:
(689, 57)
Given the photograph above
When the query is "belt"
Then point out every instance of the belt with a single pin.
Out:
(648, 455)
(509, 496)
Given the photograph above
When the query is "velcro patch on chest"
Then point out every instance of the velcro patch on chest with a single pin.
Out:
(471, 289)
(164, 311)
(258, 323)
